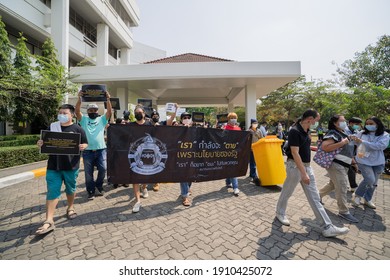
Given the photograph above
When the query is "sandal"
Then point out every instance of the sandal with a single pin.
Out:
(186, 202)
(42, 230)
(71, 213)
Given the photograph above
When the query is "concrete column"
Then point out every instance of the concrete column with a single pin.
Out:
(125, 56)
(250, 104)
(102, 44)
(60, 30)
(230, 107)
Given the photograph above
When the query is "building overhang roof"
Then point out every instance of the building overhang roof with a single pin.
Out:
(193, 83)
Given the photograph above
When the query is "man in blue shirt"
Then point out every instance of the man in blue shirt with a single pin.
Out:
(95, 154)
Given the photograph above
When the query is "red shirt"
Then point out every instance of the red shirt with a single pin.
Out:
(230, 127)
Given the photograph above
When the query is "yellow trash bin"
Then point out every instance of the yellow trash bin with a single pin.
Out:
(269, 160)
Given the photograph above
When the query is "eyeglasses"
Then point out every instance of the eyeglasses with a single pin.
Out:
(186, 118)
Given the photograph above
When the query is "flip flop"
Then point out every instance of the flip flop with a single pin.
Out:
(71, 214)
(41, 230)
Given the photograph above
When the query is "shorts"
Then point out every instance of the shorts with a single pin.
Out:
(54, 181)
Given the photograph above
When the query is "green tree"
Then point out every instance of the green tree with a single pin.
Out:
(5, 52)
(369, 66)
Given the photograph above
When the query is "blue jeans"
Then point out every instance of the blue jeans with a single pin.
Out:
(233, 181)
(91, 159)
(252, 166)
(184, 189)
(370, 175)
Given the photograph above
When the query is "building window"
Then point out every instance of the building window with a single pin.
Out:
(46, 2)
(116, 4)
(82, 25)
(112, 51)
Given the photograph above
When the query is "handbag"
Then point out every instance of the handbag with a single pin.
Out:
(325, 159)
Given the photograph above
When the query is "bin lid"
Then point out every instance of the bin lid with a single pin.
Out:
(268, 139)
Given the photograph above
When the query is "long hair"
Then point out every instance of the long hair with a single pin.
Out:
(380, 128)
(333, 120)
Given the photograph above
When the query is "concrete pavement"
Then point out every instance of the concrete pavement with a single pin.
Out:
(218, 225)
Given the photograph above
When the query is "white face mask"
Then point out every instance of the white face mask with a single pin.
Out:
(314, 126)
(186, 121)
(233, 121)
(342, 125)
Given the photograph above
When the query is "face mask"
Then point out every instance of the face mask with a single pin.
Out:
(233, 121)
(186, 121)
(139, 116)
(63, 118)
(371, 127)
(314, 126)
(155, 119)
(342, 125)
(280, 127)
(255, 125)
(93, 115)
(356, 127)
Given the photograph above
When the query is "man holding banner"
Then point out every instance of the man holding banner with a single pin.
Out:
(96, 154)
(62, 168)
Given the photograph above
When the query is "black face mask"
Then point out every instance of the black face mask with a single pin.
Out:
(93, 115)
(139, 116)
(155, 119)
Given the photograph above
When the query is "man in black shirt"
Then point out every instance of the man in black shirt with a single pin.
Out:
(62, 168)
(299, 170)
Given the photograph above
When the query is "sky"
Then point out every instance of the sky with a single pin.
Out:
(321, 34)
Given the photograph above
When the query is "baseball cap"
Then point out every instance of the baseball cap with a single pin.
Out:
(92, 106)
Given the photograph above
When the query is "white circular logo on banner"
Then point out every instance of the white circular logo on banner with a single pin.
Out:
(147, 155)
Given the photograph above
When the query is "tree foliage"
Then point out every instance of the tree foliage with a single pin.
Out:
(28, 93)
(369, 66)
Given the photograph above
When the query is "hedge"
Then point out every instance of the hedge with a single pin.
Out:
(20, 140)
(13, 156)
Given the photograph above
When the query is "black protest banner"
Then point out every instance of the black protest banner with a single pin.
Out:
(159, 154)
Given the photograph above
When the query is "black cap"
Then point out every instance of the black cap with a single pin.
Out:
(154, 113)
(355, 120)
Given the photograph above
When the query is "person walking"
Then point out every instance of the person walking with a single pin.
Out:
(140, 119)
(371, 163)
(334, 139)
(256, 136)
(299, 170)
(62, 169)
(354, 126)
(96, 154)
(232, 125)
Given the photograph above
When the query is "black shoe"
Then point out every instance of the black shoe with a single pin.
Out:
(91, 196)
(257, 182)
(115, 186)
(99, 193)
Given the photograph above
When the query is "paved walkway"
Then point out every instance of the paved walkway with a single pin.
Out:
(217, 226)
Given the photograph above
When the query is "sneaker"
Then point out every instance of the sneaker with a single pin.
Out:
(283, 220)
(125, 185)
(355, 200)
(99, 193)
(145, 193)
(348, 217)
(333, 231)
(136, 207)
(369, 204)
(236, 192)
(228, 186)
(91, 196)
(115, 186)
(156, 187)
